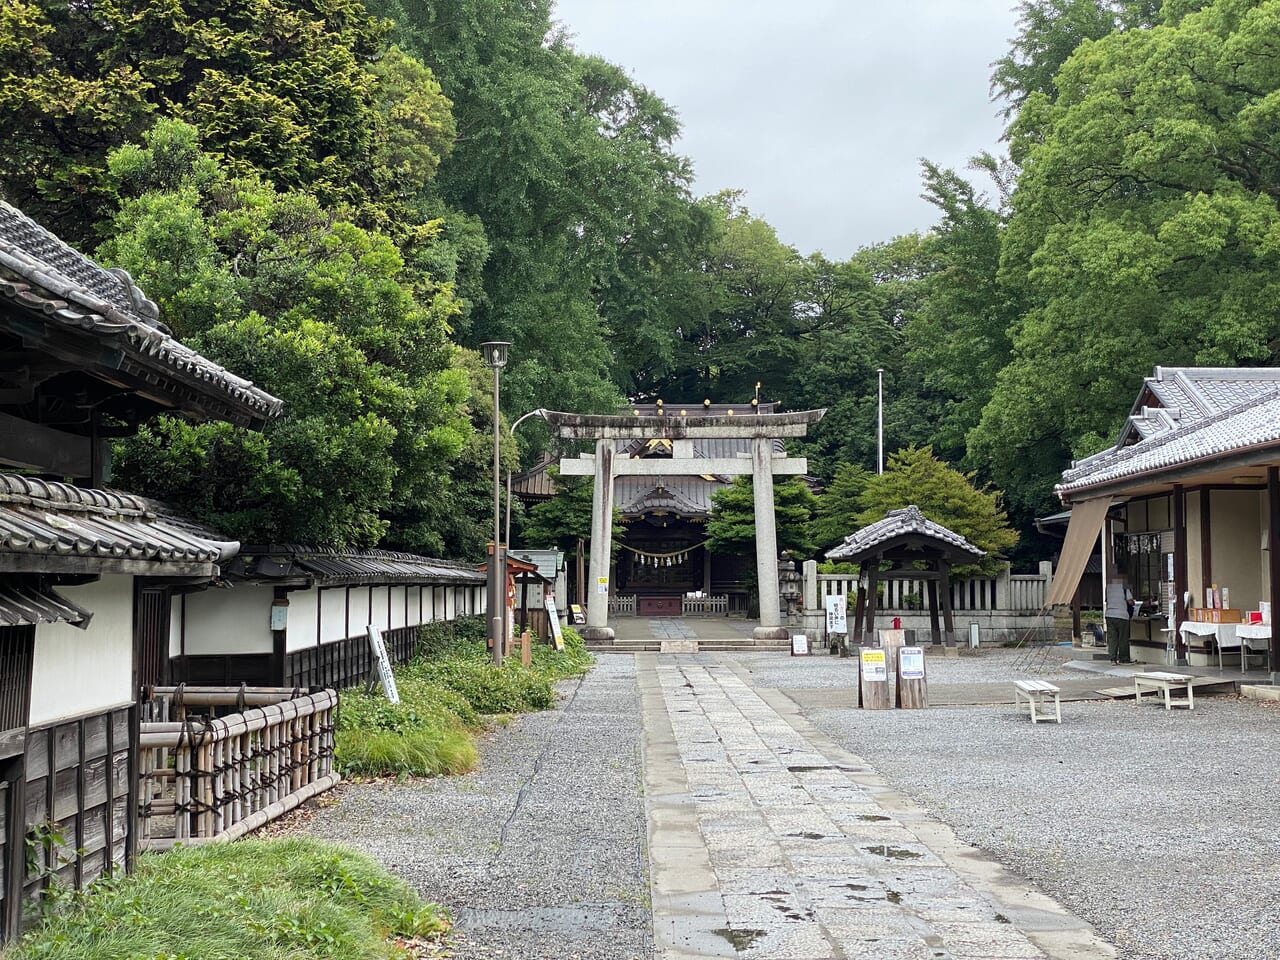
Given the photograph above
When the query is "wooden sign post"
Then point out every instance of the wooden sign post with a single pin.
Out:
(526, 648)
(913, 686)
(873, 680)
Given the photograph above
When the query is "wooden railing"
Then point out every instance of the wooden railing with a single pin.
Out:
(1006, 593)
(708, 606)
(624, 606)
(205, 777)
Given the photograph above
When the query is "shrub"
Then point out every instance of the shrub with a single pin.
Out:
(288, 899)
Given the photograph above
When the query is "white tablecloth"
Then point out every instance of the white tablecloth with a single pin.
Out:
(1231, 636)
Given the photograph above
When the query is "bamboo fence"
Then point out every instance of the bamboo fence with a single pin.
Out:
(206, 778)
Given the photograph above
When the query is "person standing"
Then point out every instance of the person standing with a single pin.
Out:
(1119, 605)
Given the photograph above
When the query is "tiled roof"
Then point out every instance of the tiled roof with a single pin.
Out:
(41, 518)
(348, 566)
(687, 496)
(1254, 422)
(63, 287)
(24, 600)
(1173, 397)
(908, 521)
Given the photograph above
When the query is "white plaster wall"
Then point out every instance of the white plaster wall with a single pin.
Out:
(79, 672)
(301, 632)
(359, 610)
(333, 614)
(1195, 570)
(379, 614)
(235, 620)
(1235, 524)
(417, 613)
(399, 604)
(450, 603)
(175, 625)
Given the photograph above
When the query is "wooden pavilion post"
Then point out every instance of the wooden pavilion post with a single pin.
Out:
(873, 577)
(944, 587)
(860, 610)
(935, 633)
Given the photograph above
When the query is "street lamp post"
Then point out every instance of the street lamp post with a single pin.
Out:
(880, 420)
(519, 420)
(495, 357)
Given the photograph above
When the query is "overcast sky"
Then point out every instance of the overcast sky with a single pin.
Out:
(819, 109)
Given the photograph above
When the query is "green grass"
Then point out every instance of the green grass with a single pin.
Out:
(253, 900)
(446, 695)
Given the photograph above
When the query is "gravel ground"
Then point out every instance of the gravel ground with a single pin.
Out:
(539, 854)
(1156, 827)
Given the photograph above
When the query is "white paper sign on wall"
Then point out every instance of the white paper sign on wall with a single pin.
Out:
(837, 610)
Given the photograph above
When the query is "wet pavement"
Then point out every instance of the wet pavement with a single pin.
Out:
(768, 840)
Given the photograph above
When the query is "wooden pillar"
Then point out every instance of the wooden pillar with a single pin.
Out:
(1077, 631)
(935, 633)
(855, 635)
(1179, 567)
(706, 570)
(1206, 546)
(873, 575)
(1273, 542)
(944, 588)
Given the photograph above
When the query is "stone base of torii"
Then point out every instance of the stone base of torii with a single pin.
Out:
(763, 463)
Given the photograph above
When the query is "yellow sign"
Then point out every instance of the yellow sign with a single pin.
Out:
(873, 665)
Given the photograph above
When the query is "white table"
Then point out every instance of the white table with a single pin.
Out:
(1231, 636)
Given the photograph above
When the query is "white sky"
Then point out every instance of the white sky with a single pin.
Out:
(819, 109)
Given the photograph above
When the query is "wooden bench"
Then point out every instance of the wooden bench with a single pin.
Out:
(1035, 692)
(1168, 682)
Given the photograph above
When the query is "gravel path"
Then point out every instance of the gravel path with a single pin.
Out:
(540, 853)
(1157, 827)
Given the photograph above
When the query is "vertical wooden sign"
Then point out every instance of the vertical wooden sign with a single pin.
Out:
(873, 680)
(913, 685)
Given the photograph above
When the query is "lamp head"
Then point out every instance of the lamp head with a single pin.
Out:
(495, 353)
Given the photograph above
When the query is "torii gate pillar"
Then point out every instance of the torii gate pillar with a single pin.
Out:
(761, 429)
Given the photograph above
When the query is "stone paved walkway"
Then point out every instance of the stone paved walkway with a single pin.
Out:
(768, 840)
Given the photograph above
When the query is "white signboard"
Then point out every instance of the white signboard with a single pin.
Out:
(553, 617)
(873, 666)
(799, 645)
(836, 614)
(382, 664)
(912, 663)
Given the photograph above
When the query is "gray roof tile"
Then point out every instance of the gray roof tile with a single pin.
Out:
(900, 523)
(327, 566)
(39, 517)
(44, 276)
(1253, 422)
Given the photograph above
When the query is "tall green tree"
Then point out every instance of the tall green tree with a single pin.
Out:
(836, 511)
(946, 496)
(304, 93)
(322, 313)
(732, 527)
(1144, 230)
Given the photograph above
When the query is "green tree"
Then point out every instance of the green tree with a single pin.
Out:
(325, 315)
(1143, 231)
(732, 526)
(946, 496)
(836, 511)
(305, 94)
(565, 519)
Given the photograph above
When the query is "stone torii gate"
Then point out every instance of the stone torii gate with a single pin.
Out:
(762, 429)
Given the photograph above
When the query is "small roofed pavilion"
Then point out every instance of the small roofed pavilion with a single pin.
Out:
(915, 548)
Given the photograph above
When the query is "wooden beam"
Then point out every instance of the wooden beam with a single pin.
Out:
(1179, 568)
(34, 447)
(584, 466)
